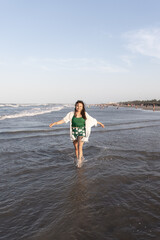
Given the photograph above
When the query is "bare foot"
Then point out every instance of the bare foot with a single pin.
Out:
(79, 164)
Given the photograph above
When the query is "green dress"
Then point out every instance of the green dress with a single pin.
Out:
(78, 127)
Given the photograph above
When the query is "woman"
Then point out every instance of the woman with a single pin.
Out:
(80, 128)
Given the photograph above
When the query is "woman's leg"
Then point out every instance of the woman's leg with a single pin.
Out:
(75, 143)
(80, 151)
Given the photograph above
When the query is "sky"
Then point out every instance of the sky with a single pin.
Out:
(99, 51)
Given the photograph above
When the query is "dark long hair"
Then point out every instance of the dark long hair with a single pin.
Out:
(83, 112)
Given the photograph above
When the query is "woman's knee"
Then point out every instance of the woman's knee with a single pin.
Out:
(76, 145)
(80, 146)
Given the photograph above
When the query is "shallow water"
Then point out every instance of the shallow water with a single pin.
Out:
(115, 195)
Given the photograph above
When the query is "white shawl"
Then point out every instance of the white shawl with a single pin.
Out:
(90, 122)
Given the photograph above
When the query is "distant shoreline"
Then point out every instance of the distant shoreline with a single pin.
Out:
(117, 105)
(153, 108)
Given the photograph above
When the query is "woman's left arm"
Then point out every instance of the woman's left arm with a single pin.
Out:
(102, 125)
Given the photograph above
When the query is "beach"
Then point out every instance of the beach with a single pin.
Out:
(117, 105)
(115, 195)
(149, 107)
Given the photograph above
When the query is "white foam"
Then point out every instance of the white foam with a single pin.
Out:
(14, 105)
(32, 112)
(9, 105)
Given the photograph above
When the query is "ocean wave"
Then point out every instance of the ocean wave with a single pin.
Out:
(10, 105)
(16, 105)
(32, 112)
(103, 131)
(36, 136)
(34, 131)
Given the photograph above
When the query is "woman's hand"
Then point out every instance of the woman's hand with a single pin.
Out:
(102, 125)
(51, 125)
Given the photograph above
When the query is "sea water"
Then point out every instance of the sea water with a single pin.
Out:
(114, 196)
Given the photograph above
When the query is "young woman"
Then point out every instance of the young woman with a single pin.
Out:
(80, 128)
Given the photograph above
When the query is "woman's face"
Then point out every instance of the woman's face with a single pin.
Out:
(79, 107)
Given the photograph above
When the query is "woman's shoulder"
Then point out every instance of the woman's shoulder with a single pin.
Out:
(68, 117)
(71, 114)
(89, 117)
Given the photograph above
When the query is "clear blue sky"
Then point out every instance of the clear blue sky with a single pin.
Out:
(58, 51)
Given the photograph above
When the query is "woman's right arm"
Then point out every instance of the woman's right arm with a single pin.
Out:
(56, 123)
(66, 119)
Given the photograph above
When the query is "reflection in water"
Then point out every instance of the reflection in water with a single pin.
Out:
(77, 211)
(78, 194)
